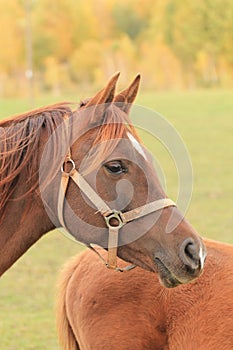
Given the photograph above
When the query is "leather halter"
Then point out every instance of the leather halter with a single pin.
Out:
(102, 208)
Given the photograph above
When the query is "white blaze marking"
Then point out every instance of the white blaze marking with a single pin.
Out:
(202, 257)
(137, 145)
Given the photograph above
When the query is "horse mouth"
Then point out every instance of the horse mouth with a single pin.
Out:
(166, 277)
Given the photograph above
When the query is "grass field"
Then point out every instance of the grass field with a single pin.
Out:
(205, 121)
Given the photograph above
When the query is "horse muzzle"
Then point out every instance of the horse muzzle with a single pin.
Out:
(188, 267)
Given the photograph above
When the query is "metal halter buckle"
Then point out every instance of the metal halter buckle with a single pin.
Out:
(115, 214)
(67, 161)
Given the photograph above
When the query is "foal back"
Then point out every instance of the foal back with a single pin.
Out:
(98, 308)
(101, 309)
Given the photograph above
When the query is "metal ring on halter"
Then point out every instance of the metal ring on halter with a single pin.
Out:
(73, 167)
(114, 215)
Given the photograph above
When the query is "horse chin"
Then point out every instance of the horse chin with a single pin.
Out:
(166, 278)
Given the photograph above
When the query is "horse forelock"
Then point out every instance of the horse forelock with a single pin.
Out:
(114, 127)
(19, 146)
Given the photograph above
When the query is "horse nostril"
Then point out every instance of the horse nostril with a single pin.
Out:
(190, 250)
(189, 254)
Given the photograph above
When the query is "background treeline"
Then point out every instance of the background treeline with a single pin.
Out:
(173, 43)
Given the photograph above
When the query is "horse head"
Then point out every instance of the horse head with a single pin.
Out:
(109, 188)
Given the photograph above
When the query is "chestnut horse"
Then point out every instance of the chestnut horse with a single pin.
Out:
(100, 309)
(41, 188)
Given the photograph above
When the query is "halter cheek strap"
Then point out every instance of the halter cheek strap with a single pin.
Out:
(114, 219)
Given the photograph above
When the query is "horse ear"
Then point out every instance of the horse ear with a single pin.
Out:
(126, 97)
(102, 99)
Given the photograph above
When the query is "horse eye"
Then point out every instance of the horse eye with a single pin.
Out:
(115, 167)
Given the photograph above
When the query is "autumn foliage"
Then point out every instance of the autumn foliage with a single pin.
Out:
(173, 43)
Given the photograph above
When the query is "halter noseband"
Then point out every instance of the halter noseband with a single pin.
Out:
(119, 218)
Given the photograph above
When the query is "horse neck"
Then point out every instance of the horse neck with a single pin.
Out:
(23, 222)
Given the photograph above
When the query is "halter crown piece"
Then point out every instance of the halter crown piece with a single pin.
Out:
(104, 210)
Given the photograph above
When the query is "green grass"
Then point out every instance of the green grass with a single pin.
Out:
(204, 120)
(27, 293)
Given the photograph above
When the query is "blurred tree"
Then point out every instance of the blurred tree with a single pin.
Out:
(12, 36)
(85, 61)
(12, 52)
(127, 20)
(174, 43)
(195, 28)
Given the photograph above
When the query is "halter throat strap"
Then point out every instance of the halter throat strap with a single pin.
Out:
(114, 219)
